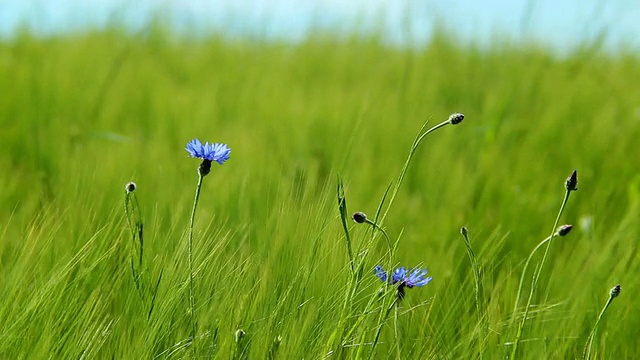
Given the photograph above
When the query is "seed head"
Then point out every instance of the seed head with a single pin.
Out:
(130, 187)
(456, 118)
(564, 230)
(572, 181)
(615, 291)
(359, 217)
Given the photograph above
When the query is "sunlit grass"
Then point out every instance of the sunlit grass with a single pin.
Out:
(81, 116)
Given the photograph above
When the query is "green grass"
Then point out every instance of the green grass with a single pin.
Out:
(80, 116)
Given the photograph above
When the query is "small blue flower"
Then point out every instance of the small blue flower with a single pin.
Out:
(417, 276)
(211, 152)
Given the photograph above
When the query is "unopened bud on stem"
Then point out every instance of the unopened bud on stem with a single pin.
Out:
(572, 181)
(564, 230)
(130, 187)
(615, 291)
(359, 217)
(456, 118)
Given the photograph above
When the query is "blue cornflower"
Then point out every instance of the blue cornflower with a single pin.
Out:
(210, 152)
(404, 278)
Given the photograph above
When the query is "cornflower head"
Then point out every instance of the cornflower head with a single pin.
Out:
(403, 278)
(208, 153)
(217, 152)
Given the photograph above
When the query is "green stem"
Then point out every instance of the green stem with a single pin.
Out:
(478, 290)
(397, 335)
(536, 275)
(587, 349)
(191, 291)
(384, 320)
(384, 233)
(403, 172)
(342, 206)
(524, 272)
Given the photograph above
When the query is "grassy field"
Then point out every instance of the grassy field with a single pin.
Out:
(82, 115)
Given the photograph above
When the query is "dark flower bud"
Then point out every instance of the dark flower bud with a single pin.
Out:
(572, 181)
(464, 231)
(456, 118)
(204, 168)
(359, 217)
(564, 230)
(130, 187)
(615, 291)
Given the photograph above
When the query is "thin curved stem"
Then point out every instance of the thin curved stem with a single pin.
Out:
(403, 172)
(586, 354)
(536, 275)
(524, 272)
(384, 233)
(191, 290)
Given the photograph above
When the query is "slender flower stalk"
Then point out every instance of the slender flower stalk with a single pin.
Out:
(570, 185)
(132, 210)
(613, 293)
(133, 214)
(342, 206)
(208, 153)
(477, 276)
(562, 231)
(361, 218)
(454, 119)
(396, 333)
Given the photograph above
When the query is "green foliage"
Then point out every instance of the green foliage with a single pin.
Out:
(82, 115)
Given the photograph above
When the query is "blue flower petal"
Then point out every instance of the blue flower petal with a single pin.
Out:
(212, 152)
(194, 148)
(398, 275)
(417, 278)
(220, 153)
(380, 273)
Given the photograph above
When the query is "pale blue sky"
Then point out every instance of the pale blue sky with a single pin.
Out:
(560, 24)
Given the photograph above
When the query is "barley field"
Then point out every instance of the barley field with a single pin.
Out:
(273, 266)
